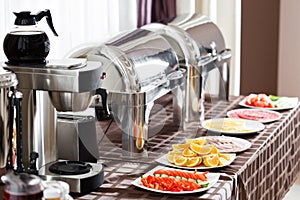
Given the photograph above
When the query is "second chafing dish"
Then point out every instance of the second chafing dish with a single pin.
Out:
(201, 51)
(140, 66)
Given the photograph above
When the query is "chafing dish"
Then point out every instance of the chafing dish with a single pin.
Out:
(200, 48)
(142, 65)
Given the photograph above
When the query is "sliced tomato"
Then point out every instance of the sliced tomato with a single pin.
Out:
(259, 100)
(189, 186)
(145, 182)
(160, 171)
(168, 184)
(200, 176)
(187, 175)
(183, 174)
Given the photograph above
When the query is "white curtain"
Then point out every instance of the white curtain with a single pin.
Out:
(76, 21)
(227, 16)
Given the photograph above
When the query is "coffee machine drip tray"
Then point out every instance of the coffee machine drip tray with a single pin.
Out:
(81, 176)
(70, 168)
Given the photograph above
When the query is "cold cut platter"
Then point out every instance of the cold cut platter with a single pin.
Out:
(263, 116)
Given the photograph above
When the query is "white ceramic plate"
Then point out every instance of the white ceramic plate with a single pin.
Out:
(232, 126)
(227, 144)
(261, 115)
(212, 178)
(288, 103)
(163, 160)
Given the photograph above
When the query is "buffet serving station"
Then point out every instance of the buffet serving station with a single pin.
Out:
(147, 87)
(264, 171)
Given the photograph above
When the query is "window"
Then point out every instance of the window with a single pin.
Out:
(79, 22)
(76, 21)
(227, 16)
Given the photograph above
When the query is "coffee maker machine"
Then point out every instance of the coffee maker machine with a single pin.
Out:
(60, 85)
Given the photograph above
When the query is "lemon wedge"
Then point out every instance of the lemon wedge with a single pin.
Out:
(211, 160)
(187, 152)
(194, 161)
(180, 160)
(201, 149)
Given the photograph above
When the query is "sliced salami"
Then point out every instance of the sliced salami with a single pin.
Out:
(264, 116)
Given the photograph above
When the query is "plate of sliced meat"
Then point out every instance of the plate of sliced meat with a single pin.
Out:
(263, 116)
(227, 144)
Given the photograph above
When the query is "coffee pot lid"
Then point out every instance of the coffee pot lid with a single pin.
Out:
(25, 18)
(7, 78)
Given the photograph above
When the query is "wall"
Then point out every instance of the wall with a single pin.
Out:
(259, 46)
(289, 49)
(270, 48)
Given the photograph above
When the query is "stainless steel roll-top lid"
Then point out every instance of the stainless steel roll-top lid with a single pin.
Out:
(196, 40)
(185, 47)
(203, 31)
(7, 78)
(136, 61)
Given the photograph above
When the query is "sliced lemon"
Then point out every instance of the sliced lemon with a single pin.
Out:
(200, 141)
(180, 160)
(225, 156)
(214, 150)
(223, 161)
(171, 156)
(187, 152)
(180, 146)
(194, 161)
(201, 149)
(211, 160)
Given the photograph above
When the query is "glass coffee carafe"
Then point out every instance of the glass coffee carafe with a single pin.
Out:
(27, 43)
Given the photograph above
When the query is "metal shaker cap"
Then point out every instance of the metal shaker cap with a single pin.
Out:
(7, 78)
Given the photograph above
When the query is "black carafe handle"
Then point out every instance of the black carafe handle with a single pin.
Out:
(46, 13)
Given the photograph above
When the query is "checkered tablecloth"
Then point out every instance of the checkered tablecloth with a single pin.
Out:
(265, 171)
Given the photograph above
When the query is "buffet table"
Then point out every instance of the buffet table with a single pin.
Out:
(265, 171)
